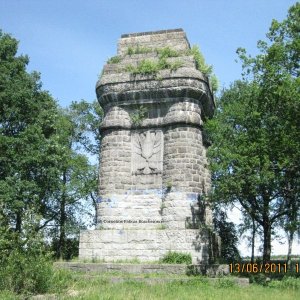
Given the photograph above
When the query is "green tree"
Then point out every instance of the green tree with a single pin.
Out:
(250, 224)
(228, 234)
(28, 159)
(256, 152)
(88, 117)
(66, 208)
(28, 171)
(78, 137)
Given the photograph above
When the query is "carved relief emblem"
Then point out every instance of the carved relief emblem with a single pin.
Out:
(147, 152)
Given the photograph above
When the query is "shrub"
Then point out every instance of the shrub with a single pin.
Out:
(286, 283)
(259, 278)
(173, 257)
(30, 271)
(60, 280)
(225, 283)
(26, 270)
(7, 295)
(71, 248)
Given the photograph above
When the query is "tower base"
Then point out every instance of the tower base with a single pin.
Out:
(147, 244)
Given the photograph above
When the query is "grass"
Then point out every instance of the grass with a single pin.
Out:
(196, 289)
(80, 285)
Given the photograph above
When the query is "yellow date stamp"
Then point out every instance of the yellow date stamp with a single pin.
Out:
(260, 268)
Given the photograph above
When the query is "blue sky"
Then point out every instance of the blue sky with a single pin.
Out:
(69, 41)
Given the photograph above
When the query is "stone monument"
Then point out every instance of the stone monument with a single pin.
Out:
(153, 166)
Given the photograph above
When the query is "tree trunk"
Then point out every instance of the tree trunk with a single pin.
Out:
(267, 240)
(253, 241)
(19, 221)
(62, 221)
(290, 245)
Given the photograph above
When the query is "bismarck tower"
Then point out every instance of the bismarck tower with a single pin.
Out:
(153, 169)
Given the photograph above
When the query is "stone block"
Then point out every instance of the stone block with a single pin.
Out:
(145, 244)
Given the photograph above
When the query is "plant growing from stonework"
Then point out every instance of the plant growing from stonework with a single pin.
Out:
(203, 67)
(161, 227)
(145, 67)
(176, 65)
(138, 115)
(169, 185)
(138, 50)
(167, 52)
(161, 52)
(164, 64)
(150, 67)
(173, 257)
(114, 60)
(162, 207)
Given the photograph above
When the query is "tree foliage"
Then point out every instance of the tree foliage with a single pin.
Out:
(28, 154)
(229, 236)
(76, 192)
(29, 159)
(256, 147)
(46, 179)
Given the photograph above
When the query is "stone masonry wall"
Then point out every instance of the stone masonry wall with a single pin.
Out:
(147, 245)
(153, 166)
(175, 39)
(115, 162)
(183, 158)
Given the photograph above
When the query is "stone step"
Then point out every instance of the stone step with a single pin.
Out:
(124, 267)
(163, 272)
(163, 280)
(212, 270)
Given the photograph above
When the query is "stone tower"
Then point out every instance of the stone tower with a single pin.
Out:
(153, 169)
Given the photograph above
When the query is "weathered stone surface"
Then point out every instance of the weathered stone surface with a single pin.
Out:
(213, 271)
(126, 268)
(153, 169)
(146, 244)
(175, 38)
